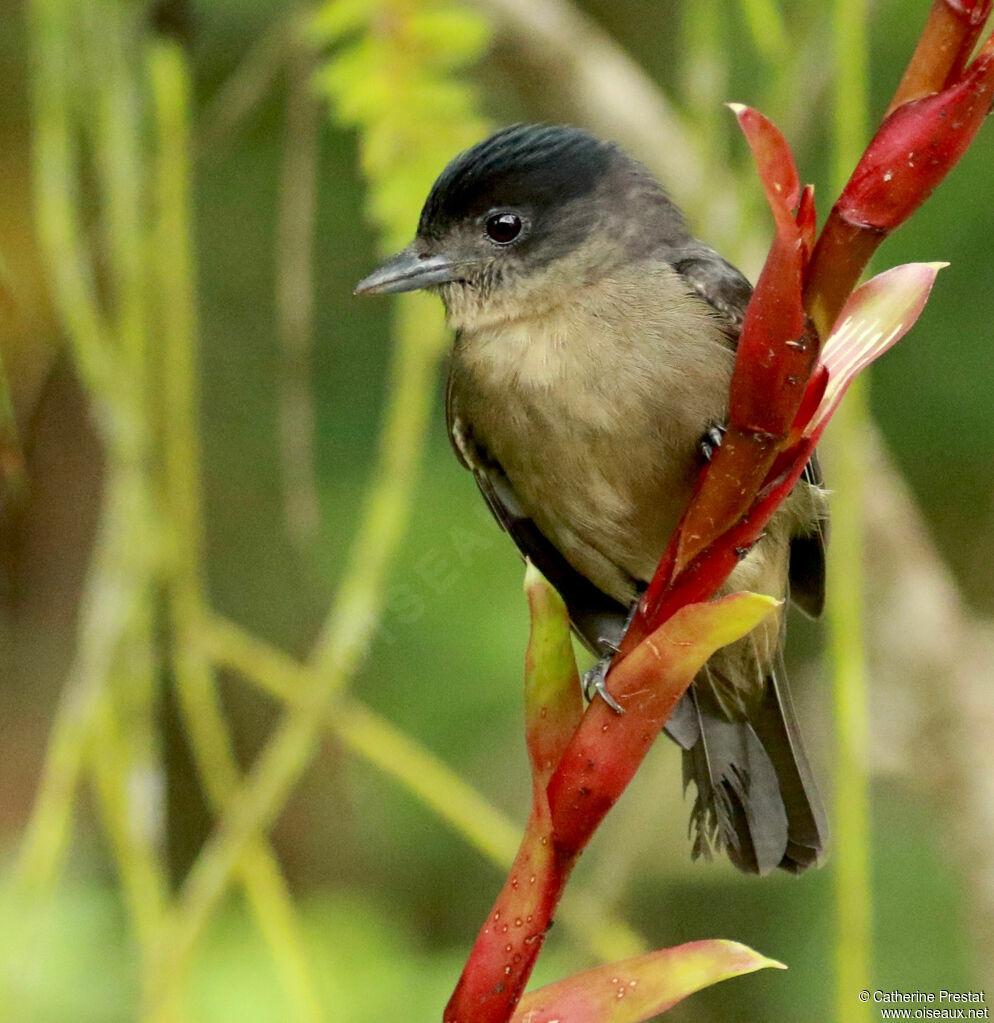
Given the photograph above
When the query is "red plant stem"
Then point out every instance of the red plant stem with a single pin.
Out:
(702, 577)
(509, 942)
(773, 361)
(598, 761)
(912, 151)
(945, 46)
(840, 256)
(506, 948)
(606, 749)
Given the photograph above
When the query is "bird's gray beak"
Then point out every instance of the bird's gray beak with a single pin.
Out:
(408, 271)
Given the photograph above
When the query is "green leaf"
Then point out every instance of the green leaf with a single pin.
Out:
(455, 37)
(553, 704)
(339, 18)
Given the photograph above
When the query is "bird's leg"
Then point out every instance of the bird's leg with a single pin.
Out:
(743, 552)
(594, 684)
(593, 678)
(711, 441)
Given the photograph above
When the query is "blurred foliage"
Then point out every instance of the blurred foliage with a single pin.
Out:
(386, 899)
(391, 77)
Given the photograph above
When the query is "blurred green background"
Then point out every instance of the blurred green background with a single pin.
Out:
(389, 895)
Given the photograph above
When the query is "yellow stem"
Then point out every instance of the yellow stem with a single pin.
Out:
(847, 478)
(418, 770)
(346, 635)
(259, 870)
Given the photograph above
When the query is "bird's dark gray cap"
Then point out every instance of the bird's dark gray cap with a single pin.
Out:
(538, 165)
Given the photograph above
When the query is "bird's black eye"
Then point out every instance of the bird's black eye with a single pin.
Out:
(503, 228)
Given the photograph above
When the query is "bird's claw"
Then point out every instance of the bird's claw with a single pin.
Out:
(711, 441)
(594, 685)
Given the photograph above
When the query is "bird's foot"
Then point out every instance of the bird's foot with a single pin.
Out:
(594, 684)
(743, 552)
(711, 441)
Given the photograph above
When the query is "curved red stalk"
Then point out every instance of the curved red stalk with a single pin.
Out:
(773, 397)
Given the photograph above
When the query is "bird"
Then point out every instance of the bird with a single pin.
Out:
(594, 342)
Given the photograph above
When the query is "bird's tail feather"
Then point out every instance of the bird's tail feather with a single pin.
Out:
(756, 796)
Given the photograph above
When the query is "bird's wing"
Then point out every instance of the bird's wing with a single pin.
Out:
(719, 284)
(807, 555)
(598, 619)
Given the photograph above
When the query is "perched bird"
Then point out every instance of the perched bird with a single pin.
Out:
(594, 344)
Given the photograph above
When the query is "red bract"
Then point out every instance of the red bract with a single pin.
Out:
(604, 754)
(637, 989)
(915, 148)
(578, 773)
(875, 318)
(775, 355)
(919, 142)
(877, 315)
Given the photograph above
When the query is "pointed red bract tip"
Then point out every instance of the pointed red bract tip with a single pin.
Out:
(916, 146)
